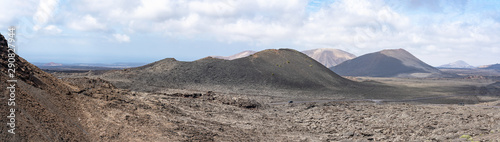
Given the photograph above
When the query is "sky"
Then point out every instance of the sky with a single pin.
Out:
(143, 31)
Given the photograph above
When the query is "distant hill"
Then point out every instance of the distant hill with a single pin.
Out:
(236, 56)
(46, 109)
(328, 56)
(493, 66)
(266, 70)
(387, 63)
(458, 64)
(52, 64)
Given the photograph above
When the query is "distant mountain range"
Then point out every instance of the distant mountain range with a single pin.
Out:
(457, 64)
(387, 63)
(85, 66)
(329, 57)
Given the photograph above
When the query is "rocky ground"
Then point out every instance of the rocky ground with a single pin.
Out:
(113, 114)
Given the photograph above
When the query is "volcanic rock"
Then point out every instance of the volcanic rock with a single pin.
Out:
(44, 105)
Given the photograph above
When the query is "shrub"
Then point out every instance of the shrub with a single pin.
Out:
(468, 137)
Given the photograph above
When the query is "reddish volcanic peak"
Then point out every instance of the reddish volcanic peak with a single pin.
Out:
(52, 64)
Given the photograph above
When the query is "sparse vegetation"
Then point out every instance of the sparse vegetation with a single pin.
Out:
(468, 137)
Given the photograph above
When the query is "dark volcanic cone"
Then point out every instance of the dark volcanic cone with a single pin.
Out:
(265, 70)
(387, 63)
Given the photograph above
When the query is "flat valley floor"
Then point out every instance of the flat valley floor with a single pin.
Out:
(114, 114)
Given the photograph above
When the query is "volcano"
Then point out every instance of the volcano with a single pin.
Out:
(388, 63)
(457, 65)
(328, 56)
(266, 70)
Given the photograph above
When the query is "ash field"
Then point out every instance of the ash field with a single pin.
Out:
(271, 95)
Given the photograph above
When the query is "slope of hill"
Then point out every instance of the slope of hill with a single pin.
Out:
(387, 63)
(44, 105)
(457, 64)
(494, 67)
(266, 70)
(494, 88)
(328, 56)
(236, 56)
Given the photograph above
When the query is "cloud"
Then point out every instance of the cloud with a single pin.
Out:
(432, 5)
(16, 10)
(358, 26)
(44, 13)
(154, 10)
(52, 30)
(121, 37)
(87, 23)
(215, 8)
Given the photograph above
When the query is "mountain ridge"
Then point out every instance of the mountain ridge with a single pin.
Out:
(457, 64)
(492, 66)
(328, 56)
(265, 70)
(387, 63)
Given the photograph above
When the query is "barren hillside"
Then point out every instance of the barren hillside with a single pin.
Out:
(328, 56)
(45, 106)
(388, 63)
(268, 70)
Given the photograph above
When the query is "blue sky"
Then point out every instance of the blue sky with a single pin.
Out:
(96, 31)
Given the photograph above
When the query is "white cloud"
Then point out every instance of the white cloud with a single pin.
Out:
(154, 10)
(121, 37)
(44, 13)
(213, 8)
(52, 30)
(87, 23)
(358, 26)
(16, 10)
